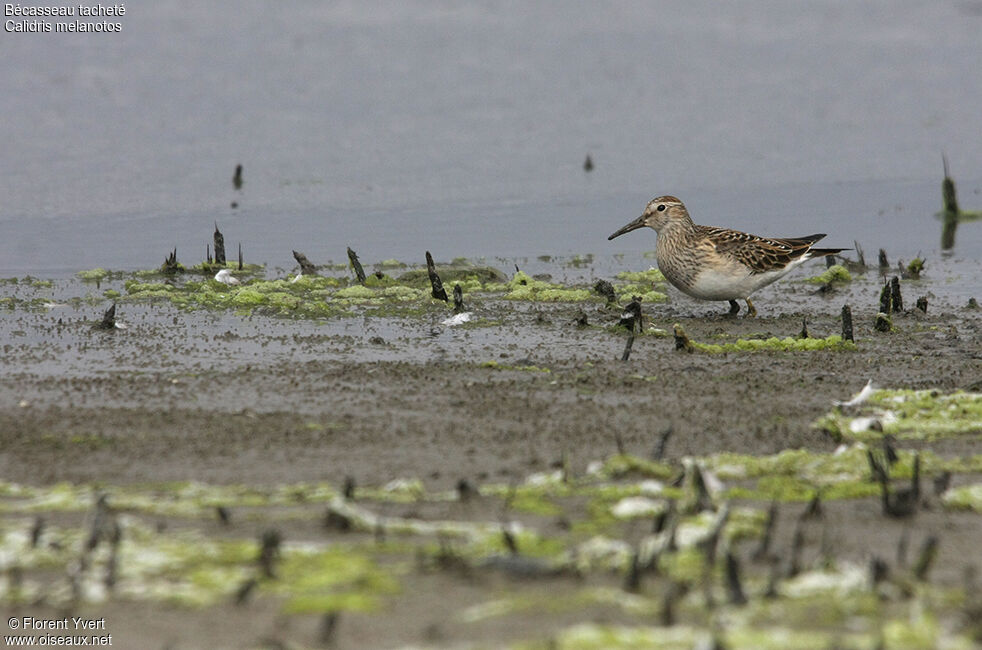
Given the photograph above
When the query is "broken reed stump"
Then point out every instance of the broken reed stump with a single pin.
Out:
(329, 629)
(588, 164)
(922, 304)
(356, 265)
(882, 323)
(240, 256)
(860, 256)
(237, 177)
(734, 587)
(224, 515)
(682, 341)
(438, 291)
(884, 264)
(764, 548)
(895, 297)
(913, 270)
(804, 329)
(108, 319)
(631, 318)
(886, 299)
(605, 289)
(627, 347)
(208, 254)
(269, 552)
(458, 299)
(949, 217)
(659, 452)
(37, 529)
(171, 266)
(926, 557)
(219, 246)
(306, 266)
(846, 323)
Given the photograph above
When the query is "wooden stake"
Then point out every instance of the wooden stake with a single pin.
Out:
(886, 297)
(458, 299)
(306, 266)
(682, 341)
(356, 265)
(219, 246)
(108, 319)
(846, 323)
(438, 291)
(896, 300)
(605, 289)
(627, 347)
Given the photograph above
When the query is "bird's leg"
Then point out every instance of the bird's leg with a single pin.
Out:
(751, 310)
(734, 309)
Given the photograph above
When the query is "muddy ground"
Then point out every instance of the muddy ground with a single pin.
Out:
(243, 399)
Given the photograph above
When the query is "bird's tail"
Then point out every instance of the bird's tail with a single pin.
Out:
(823, 252)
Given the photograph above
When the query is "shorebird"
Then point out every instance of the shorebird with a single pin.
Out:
(713, 263)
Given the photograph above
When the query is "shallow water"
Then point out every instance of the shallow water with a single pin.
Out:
(463, 129)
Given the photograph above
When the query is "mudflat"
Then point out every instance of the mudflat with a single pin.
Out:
(275, 477)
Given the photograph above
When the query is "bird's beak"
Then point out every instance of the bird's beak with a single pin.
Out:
(634, 225)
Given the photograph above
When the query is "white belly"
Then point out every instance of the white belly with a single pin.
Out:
(715, 285)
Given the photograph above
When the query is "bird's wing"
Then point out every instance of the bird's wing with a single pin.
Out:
(759, 253)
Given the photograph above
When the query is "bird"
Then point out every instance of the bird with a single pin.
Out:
(712, 263)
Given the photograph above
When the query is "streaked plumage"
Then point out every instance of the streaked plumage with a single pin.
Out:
(713, 263)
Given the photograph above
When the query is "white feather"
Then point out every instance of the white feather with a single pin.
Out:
(225, 277)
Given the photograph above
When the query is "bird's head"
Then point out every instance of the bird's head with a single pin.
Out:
(659, 213)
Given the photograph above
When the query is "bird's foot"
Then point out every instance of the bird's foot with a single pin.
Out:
(751, 310)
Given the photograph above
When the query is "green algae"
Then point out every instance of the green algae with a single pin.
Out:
(320, 580)
(188, 499)
(651, 276)
(191, 570)
(774, 344)
(211, 268)
(187, 569)
(550, 602)
(916, 629)
(648, 285)
(909, 415)
(627, 292)
(93, 275)
(304, 297)
(391, 264)
(835, 274)
(623, 465)
(798, 474)
(533, 503)
(524, 287)
(966, 497)
(467, 276)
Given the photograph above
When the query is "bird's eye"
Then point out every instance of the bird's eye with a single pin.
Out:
(661, 208)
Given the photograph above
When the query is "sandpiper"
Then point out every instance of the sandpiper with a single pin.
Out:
(713, 263)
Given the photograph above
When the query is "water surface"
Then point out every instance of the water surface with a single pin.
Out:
(396, 128)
